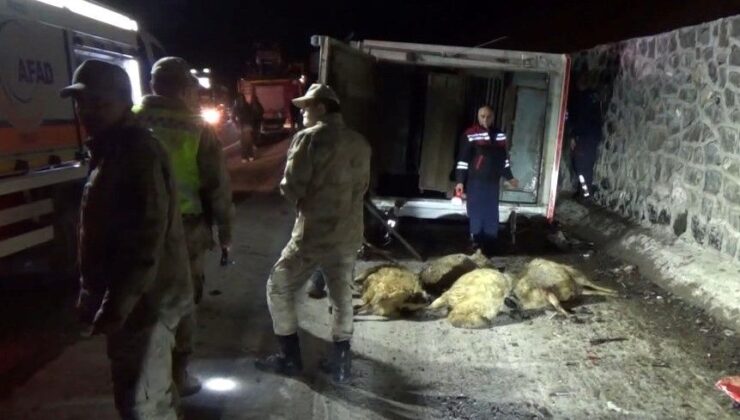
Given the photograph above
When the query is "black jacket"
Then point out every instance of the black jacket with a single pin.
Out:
(482, 155)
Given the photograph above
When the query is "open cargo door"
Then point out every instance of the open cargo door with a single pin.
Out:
(540, 88)
(351, 73)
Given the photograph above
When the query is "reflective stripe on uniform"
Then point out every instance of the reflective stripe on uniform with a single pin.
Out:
(462, 165)
(479, 137)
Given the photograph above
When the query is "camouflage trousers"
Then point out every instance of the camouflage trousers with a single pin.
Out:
(197, 236)
(292, 271)
(141, 368)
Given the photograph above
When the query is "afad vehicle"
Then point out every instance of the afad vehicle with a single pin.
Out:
(42, 156)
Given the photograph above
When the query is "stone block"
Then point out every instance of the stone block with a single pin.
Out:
(735, 79)
(734, 218)
(707, 208)
(687, 37)
(714, 237)
(680, 224)
(735, 116)
(643, 47)
(698, 229)
(732, 192)
(728, 138)
(731, 166)
(671, 146)
(656, 139)
(724, 36)
(704, 36)
(729, 98)
(736, 28)
(693, 176)
(712, 72)
(730, 246)
(696, 133)
(713, 182)
(688, 95)
(711, 154)
(735, 56)
(664, 218)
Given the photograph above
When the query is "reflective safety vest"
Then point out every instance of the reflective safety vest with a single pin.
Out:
(180, 134)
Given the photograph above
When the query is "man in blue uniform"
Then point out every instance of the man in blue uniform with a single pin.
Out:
(482, 160)
(585, 120)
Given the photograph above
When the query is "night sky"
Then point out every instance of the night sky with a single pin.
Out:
(220, 33)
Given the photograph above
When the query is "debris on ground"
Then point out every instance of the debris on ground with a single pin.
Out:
(730, 385)
(613, 407)
(599, 341)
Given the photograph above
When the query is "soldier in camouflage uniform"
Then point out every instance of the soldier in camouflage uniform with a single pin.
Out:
(202, 184)
(135, 283)
(326, 177)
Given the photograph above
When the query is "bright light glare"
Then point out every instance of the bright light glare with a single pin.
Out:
(132, 68)
(205, 82)
(97, 12)
(210, 115)
(55, 3)
(206, 71)
(220, 384)
(193, 71)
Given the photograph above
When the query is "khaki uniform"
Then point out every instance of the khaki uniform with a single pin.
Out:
(205, 192)
(133, 265)
(326, 177)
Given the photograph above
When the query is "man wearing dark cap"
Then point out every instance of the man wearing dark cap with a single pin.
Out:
(135, 284)
(202, 184)
(326, 177)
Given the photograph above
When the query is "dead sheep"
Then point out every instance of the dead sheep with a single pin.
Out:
(439, 275)
(475, 299)
(389, 290)
(545, 283)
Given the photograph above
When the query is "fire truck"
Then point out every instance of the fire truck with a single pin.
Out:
(275, 83)
(42, 155)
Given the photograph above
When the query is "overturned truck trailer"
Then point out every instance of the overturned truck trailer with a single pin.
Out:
(413, 101)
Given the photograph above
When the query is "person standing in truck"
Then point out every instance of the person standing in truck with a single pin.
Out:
(134, 275)
(202, 184)
(482, 161)
(326, 178)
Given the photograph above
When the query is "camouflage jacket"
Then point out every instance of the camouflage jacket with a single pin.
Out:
(133, 259)
(326, 177)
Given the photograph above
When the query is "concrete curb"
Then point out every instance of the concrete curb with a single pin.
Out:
(705, 279)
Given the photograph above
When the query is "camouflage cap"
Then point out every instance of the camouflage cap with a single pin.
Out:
(99, 78)
(174, 71)
(316, 91)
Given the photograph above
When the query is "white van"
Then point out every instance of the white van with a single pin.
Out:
(413, 101)
(42, 166)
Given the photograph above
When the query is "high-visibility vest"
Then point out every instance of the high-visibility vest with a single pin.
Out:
(180, 133)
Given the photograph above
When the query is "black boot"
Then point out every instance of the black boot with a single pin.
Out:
(339, 365)
(286, 362)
